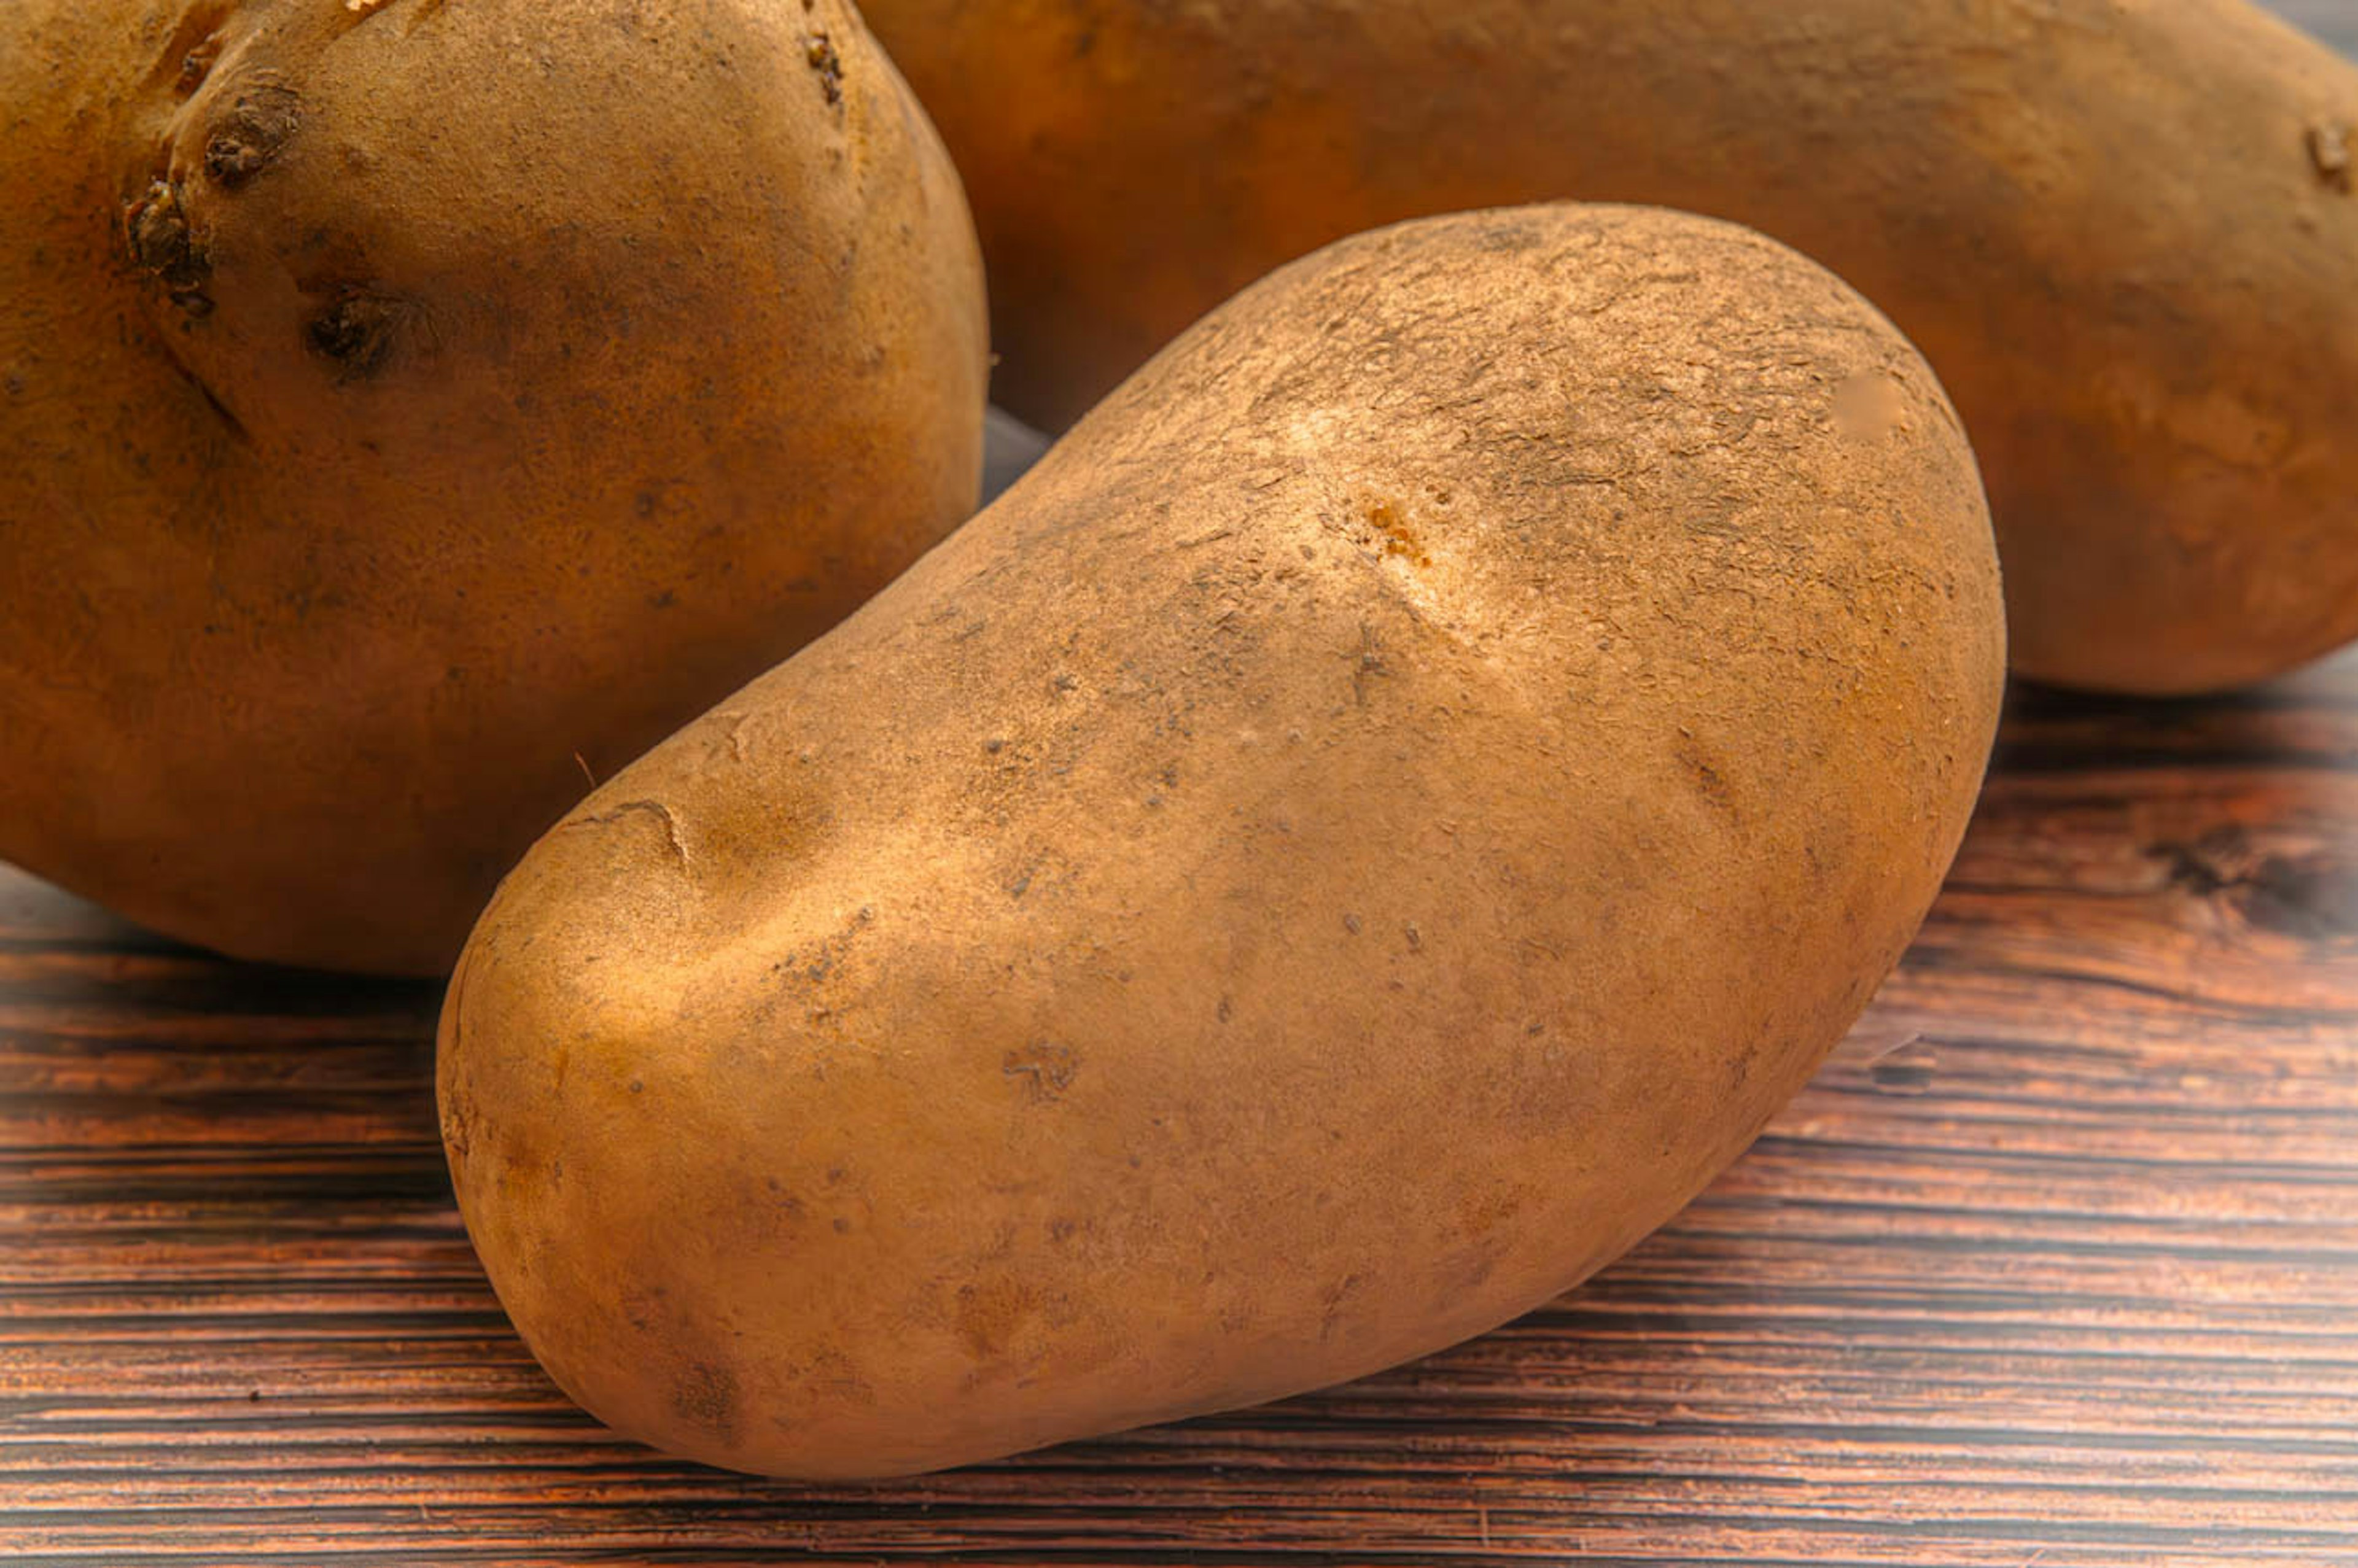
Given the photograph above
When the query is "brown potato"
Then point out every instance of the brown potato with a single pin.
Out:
(405, 406)
(2124, 234)
(1352, 841)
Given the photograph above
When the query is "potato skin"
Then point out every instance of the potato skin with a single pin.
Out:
(1348, 844)
(404, 408)
(2114, 227)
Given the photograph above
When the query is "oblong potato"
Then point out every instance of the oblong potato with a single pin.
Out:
(1353, 840)
(407, 406)
(2124, 231)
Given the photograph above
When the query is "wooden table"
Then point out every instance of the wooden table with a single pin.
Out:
(2057, 1265)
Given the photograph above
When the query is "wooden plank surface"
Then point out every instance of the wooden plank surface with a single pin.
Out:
(2055, 1267)
(2056, 1264)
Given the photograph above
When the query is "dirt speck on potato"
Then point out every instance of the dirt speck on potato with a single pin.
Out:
(259, 124)
(2330, 153)
(819, 52)
(357, 333)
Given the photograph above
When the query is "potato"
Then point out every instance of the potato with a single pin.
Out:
(407, 406)
(1352, 841)
(2124, 231)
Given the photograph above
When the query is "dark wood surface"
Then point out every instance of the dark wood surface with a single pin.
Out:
(2056, 1265)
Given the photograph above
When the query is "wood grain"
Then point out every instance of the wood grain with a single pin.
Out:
(2056, 1264)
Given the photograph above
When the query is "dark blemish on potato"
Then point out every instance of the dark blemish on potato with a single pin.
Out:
(1415, 938)
(1395, 540)
(1351, 924)
(1047, 1070)
(818, 52)
(842, 1226)
(155, 229)
(356, 333)
(706, 1395)
(2330, 153)
(251, 135)
(1702, 769)
(1226, 1009)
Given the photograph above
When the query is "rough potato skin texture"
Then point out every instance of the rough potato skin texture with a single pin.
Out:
(1351, 842)
(406, 407)
(2124, 231)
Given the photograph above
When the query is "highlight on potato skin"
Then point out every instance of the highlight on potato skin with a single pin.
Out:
(1357, 838)
(409, 407)
(2124, 234)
